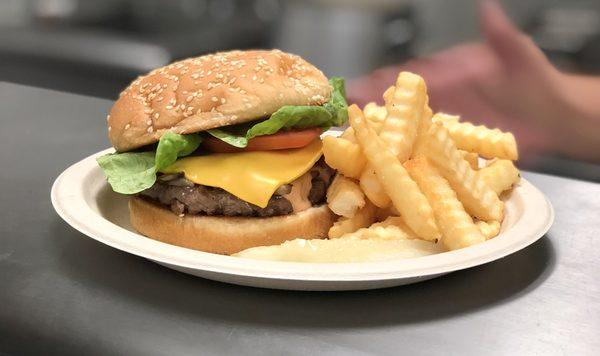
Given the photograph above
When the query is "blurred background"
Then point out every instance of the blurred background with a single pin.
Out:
(97, 47)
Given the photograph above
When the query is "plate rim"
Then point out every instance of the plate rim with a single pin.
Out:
(70, 207)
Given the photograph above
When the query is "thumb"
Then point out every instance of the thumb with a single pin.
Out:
(514, 49)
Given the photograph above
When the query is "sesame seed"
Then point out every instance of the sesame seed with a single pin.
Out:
(214, 98)
(149, 122)
(156, 115)
(109, 128)
(150, 129)
(127, 126)
(223, 100)
(169, 107)
(254, 77)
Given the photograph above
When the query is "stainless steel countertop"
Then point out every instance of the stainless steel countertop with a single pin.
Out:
(63, 293)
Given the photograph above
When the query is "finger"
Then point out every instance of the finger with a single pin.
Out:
(513, 47)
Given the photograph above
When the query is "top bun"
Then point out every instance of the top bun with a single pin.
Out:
(211, 91)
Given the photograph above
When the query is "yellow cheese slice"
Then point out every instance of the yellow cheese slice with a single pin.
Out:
(250, 176)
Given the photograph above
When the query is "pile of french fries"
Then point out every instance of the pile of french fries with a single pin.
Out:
(406, 173)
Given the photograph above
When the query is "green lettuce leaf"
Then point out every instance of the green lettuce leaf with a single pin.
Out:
(332, 113)
(171, 146)
(288, 117)
(230, 137)
(337, 106)
(129, 172)
(132, 172)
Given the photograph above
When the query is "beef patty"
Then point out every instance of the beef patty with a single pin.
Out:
(185, 197)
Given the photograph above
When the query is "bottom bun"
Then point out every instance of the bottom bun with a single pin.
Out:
(224, 234)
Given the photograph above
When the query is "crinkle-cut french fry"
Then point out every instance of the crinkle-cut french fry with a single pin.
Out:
(376, 115)
(443, 117)
(477, 197)
(457, 227)
(363, 218)
(489, 229)
(390, 229)
(349, 249)
(402, 190)
(348, 134)
(344, 156)
(399, 222)
(372, 188)
(387, 94)
(471, 157)
(500, 175)
(344, 196)
(488, 143)
(404, 108)
(374, 112)
(423, 129)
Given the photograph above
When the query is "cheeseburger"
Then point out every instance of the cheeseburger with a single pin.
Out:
(222, 152)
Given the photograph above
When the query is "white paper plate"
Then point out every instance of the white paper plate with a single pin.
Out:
(83, 199)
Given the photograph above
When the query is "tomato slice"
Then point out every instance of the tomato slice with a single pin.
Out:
(278, 141)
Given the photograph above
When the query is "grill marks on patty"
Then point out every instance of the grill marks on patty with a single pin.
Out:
(200, 199)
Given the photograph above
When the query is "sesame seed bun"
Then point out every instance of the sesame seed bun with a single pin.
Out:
(226, 235)
(211, 91)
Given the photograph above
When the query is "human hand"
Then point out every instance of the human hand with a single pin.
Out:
(505, 82)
